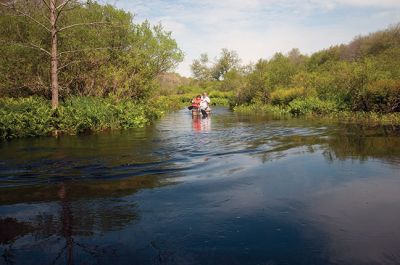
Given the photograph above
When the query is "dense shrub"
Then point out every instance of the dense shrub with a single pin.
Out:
(34, 117)
(379, 96)
(285, 96)
(313, 105)
(233, 80)
(260, 108)
(244, 96)
(85, 114)
(355, 76)
(24, 117)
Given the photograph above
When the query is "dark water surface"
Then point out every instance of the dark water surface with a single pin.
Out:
(226, 190)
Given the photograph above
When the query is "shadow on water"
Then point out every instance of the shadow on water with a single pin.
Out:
(227, 189)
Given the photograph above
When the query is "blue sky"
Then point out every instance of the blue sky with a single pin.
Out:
(259, 28)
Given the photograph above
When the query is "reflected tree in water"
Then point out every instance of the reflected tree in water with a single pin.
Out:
(10, 230)
(73, 213)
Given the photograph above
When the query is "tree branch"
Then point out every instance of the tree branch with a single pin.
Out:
(40, 48)
(69, 9)
(67, 64)
(25, 15)
(61, 6)
(88, 49)
(82, 24)
(29, 45)
(45, 15)
(46, 4)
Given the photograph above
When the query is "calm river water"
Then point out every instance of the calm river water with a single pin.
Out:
(230, 189)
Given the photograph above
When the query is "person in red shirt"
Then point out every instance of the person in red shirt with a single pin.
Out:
(195, 103)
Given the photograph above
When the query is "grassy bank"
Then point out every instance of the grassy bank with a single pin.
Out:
(314, 108)
(27, 117)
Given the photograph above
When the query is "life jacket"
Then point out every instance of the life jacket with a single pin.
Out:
(196, 102)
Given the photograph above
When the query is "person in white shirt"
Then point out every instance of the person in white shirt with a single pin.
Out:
(204, 105)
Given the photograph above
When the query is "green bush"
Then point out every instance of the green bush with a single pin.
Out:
(26, 117)
(284, 96)
(380, 96)
(220, 101)
(313, 105)
(175, 102)
(220, 94)
(83, 114)
(221, 98)
(260, 108)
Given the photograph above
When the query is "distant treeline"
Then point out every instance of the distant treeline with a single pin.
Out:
(363, 75)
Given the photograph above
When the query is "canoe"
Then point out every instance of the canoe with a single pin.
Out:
(197, 112)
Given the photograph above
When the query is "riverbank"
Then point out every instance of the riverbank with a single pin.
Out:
(312, 108)
(28, 117)
(31, 117)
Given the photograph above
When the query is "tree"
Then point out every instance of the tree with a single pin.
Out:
(100, 51)
(296, 58)
(227, 61)
(200, 69)
(204, 71)
(50, 23)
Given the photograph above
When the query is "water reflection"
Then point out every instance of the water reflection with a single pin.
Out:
(10, 230)
(201, 124)
(68, 211)
(357, 143)
(245, 190)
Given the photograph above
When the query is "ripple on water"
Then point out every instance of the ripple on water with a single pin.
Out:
(231, 189)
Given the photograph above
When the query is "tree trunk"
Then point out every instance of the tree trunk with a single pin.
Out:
(54, 59)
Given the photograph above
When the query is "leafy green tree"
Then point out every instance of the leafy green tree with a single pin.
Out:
(281, 70)
(204, 70)
(200, 69)
(99, 50)
(257, 85)
(46, 15)
(233, 80)
(228, 60)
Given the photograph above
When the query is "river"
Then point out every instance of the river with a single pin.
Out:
(230, 189)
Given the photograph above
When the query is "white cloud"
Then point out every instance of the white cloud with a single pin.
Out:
(376, 3)
(259, 28)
